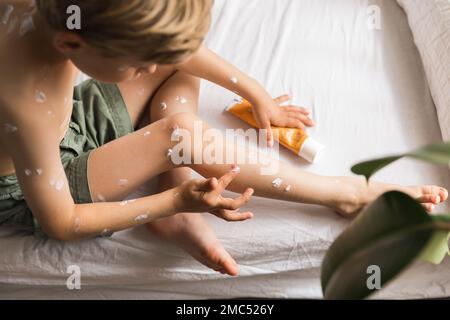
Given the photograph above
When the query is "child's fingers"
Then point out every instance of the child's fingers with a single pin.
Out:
(303, 118)
(283, 98)
(226, 179)
(207, 185)
(235, 204)
(233, 215)
(297, 110)
(295, 123)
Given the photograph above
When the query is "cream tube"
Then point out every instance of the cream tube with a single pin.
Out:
(293, 139)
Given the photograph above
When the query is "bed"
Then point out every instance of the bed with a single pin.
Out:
(369, 96)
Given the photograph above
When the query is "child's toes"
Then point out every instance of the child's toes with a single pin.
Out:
(429, 199)
(429, 207)
(443, 194)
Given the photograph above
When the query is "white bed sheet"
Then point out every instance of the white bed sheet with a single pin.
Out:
(369, 97)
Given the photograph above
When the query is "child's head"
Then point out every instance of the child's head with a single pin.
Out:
(122, 38)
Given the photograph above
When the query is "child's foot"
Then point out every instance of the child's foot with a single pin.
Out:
(359, 195)
(191, 232)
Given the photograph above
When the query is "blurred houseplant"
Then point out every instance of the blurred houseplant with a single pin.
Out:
(389, 235)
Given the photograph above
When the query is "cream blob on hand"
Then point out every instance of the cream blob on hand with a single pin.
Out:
(294, 139)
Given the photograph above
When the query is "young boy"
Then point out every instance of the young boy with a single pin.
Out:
(66, 166)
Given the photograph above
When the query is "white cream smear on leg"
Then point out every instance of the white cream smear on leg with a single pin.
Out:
(9, 128)
(277, 183)
(181, 99)
(169, 153)
(77, 225)
(6, 14)
(123, 182)
(40, 96)
(26, 25)
(141, 217)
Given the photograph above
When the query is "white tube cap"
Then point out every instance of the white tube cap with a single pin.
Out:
(311, 150)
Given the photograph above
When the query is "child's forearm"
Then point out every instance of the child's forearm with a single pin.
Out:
(90, 220)
(207, 65)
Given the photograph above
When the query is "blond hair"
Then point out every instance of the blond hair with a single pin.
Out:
(157, 31)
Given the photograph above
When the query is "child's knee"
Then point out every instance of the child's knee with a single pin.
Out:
(185, 120)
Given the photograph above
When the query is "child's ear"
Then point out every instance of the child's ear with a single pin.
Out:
(68, 42)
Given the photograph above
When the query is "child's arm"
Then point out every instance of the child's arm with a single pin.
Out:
(208, 65)
(34, 147)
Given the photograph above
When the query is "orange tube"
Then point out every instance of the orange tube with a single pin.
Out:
(293, 139)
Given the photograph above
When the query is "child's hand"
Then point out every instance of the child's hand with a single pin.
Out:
(272, 114)
(205, 196)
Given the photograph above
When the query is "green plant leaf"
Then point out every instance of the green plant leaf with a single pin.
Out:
(389, 234)
(437, 248)
(436, 153)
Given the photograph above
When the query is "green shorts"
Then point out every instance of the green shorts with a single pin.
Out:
(99, 116)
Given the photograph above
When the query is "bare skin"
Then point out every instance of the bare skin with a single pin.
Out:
(37, 73)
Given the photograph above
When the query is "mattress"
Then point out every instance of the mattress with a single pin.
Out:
(369, 96)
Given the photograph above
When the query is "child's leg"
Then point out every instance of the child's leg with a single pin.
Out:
(188, 230)
(139, 157)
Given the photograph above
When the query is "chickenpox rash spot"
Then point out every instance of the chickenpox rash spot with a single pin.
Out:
(277, 183)
(40, 96)
(141, 218)
(123, 182)
(7, 14)
(163, 106)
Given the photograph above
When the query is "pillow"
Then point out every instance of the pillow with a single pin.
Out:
(430, 23)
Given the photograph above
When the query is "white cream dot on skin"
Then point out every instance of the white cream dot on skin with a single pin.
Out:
(28, 172)
(141, 217)
(236, 169)
(181, 99)
(77, 225)
(40, 96)
(163, 106)
(123, 203)
(288, 188)
(234, 80)
(7, 14)
(52, 182)
(9, 128)
(176, 134)
(101, 198)
(26, 25)
(123, 182)
(277, 183)
(169, 153)
(122, 69)
(59, 185)
(39, 171)
(147, 133)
